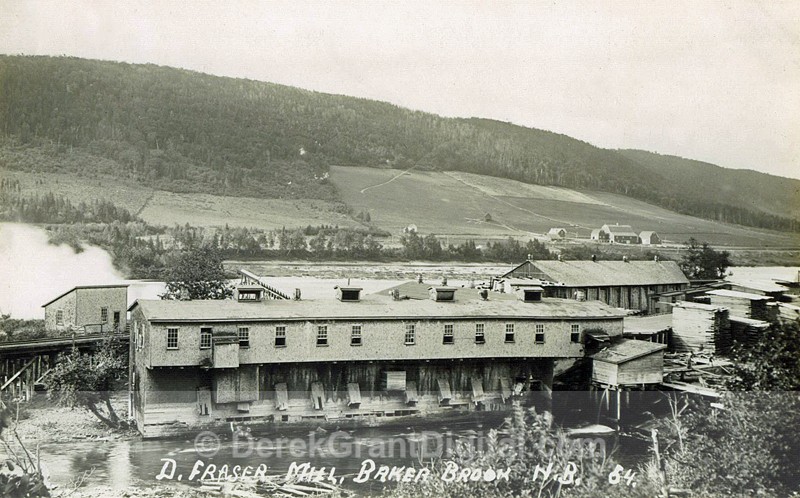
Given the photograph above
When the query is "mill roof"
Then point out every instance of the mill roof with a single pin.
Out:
(608, 273)
(467, 305)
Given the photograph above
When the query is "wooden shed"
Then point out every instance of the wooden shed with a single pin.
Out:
(629, 363)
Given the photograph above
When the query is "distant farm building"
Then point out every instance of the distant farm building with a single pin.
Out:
(94, 308)
(487, 217)
(412, 228)
(620, 234)
(600, 235)
(557, 233)
(649, 238)
(636, 285)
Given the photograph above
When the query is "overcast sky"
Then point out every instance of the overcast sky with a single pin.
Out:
(714, 81)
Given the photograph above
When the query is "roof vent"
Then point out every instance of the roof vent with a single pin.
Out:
(531, 294)
(442, 293)
(348, 294)
(249, 293)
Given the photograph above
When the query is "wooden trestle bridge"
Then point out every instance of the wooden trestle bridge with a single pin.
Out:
(25, 364)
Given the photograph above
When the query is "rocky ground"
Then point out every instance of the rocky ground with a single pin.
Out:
(42, 419)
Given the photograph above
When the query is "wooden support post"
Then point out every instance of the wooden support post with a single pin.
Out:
(619, 407)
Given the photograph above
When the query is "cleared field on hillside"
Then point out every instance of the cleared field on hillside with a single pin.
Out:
(168, 208)
(456, 204)
(82, 189)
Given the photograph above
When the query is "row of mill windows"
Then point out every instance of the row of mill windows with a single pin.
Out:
(448, 335)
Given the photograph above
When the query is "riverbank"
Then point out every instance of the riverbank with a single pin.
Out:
(42, 420)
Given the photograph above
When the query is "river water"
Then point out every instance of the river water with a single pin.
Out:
(406, 442)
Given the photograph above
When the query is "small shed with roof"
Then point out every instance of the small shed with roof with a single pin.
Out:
(628, 363)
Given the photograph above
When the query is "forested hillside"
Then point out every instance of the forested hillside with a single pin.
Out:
(771, 194)
(189, 132)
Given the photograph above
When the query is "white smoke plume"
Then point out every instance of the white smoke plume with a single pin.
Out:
(32, 271)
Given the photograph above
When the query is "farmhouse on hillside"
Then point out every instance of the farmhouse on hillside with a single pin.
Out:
(93, 308)
(557, 233)
(599, 235)
(635, 285)
(620, 234)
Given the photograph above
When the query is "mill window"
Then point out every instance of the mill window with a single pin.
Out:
(172, 338)
(480, 337)
(205, 338)
(280, 337)
(447, 338)
(411, 334)
(539, 337)
(244, 337)
(509, 332)
(322, 335)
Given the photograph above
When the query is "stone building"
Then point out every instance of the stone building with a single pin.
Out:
(92, 308)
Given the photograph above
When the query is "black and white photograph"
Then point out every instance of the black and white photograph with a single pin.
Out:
(399, 249)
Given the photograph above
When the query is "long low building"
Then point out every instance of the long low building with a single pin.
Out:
(635, 285)
(199, 363)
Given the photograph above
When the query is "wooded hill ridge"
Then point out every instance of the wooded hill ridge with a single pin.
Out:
(184, 131)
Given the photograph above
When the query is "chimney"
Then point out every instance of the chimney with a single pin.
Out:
(297, 294)
(444, 279)
(396, 294)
